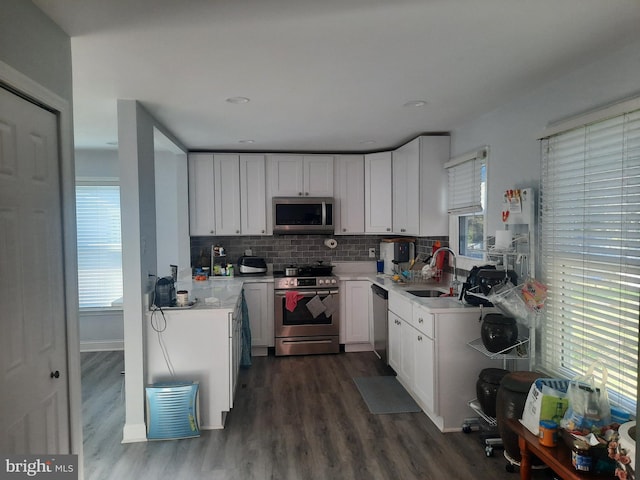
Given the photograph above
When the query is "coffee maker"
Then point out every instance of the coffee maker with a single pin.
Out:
(396, 255)
(165, 293)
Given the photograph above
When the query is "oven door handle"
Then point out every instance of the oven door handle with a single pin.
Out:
(305, 294)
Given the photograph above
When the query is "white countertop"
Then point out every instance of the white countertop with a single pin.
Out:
(223, 292)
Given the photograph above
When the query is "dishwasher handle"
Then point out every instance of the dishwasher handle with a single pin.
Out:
(380, 292)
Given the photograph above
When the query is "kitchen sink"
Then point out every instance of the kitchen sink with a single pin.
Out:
(425, 293)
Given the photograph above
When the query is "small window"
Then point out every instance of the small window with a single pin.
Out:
(467, 197)
(99, 245)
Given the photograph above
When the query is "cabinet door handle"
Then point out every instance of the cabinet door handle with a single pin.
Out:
(55, 374)
(402, 230)
(420, 320)
(299, 194)
(306, 193)
(344, 229)
(237, 231)
(388, 229)
(419, 338)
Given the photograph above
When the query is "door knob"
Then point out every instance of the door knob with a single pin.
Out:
(55, 374)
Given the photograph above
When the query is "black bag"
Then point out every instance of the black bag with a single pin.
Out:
(473, 284)
(482, 283)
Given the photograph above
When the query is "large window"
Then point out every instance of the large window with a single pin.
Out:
(590, 245)
(99, 245)
(467, 195)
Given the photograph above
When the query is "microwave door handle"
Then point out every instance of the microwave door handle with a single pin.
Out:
(324, 213)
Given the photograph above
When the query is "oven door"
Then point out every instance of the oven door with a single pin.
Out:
(300, 322)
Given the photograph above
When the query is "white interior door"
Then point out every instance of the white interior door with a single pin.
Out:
(34, 413)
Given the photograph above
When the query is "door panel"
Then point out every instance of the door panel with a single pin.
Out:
(34, 417)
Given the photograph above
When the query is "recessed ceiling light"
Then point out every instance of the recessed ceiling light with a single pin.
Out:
(246, 141)
(238, 100)
(415, 103)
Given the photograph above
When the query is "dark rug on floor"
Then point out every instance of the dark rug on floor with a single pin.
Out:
(385, 395)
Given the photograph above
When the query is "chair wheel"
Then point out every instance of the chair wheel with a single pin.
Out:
(488, 450)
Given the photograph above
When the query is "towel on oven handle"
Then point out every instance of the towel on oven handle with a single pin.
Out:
(291, 299)
(315, 306)
(330, 304)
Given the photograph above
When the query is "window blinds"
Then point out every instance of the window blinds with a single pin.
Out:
(99, 245)
(465, 180)
(590, 246)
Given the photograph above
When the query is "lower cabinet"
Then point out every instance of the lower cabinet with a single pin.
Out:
(427, 351)
(202, 345)
(259, 298)
(355, 315)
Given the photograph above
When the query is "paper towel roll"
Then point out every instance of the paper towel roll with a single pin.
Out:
(503, 239)
(331, 243)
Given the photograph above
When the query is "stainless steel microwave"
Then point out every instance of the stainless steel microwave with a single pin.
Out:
(293, 215)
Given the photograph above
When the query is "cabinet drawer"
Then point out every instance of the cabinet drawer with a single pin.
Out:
(400, 305)
(424, 321)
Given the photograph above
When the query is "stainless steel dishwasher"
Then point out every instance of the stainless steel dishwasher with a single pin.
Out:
(380, 332)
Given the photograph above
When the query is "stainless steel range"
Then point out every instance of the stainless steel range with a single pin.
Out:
(307, 314)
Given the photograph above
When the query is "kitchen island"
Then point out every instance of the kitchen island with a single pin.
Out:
(200, 343)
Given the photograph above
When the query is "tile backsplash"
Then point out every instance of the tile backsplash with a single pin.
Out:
(284, 250)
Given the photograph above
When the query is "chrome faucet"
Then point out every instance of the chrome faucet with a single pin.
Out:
(454, 282)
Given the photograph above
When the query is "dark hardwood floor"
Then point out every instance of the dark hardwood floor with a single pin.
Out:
(294, 418)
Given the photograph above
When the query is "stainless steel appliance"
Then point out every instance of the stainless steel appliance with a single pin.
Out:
(380, 313)
(249, 265)
(293, 215)
(311, 324)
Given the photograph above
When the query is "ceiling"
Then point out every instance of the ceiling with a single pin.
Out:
(329, 75)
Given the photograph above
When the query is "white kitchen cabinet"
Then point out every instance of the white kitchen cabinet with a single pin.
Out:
(395, 341)
(406, 188)
(253, 196)
(429, 352)
(420, 186)
(202, 345)
(377, 189)
(434, 218)
(226, 174)
(259, 298)
(349, 195)
(201, 194)
(355, 314)
(227, 194)
(301, 175)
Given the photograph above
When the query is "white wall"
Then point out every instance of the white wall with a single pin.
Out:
(139, 248)
(172, 207)
(511, 131)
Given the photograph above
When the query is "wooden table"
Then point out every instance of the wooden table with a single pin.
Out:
(556, 458)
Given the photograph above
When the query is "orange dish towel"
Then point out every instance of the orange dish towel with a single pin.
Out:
(292, 298)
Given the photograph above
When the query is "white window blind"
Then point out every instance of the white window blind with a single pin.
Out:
(465, 181)
(99, 245)
(590, 245)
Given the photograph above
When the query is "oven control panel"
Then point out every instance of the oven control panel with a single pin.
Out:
(305, 282)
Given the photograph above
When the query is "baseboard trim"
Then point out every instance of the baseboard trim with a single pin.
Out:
(132, 433)
(102, 346)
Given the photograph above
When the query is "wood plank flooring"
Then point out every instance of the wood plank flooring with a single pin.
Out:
(294, 418)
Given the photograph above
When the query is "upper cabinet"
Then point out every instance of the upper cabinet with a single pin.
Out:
(227, 194)
(377, 190)
(201, 194)
(432, 201)
(253, 195)
(406, 188)
(301, 175)
(226, 174)
(349, 195)
(420, 187)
